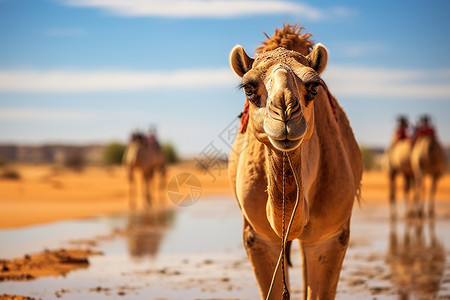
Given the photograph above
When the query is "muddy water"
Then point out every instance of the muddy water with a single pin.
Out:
(196, 253)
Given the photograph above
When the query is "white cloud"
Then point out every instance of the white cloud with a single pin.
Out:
(66, 81)
(343, 12)
(47, 115)
(205, 8)
(344, 81)
(388, 83)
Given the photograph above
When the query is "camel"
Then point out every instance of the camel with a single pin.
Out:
(297, 152)
(149, 160)
(417, 261)
(398, 159)
(427, 158)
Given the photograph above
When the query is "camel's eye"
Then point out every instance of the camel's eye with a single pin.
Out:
(251, 88)
(314, 89)
(250, 92)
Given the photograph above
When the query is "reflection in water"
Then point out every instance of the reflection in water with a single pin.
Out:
(416, 259)
(146, 229)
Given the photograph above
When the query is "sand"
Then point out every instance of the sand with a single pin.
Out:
(47, 263)
(375, 188)
(47, 193)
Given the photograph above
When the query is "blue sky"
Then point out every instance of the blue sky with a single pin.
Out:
(91, 71)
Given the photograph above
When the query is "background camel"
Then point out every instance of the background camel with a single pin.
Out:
(427, 158)
(398, 161)
(148, 159)
(296, 134)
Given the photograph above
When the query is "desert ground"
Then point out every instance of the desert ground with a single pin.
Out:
(47, 194)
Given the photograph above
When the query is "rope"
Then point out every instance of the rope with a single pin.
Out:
(285, 234)
(283, 244)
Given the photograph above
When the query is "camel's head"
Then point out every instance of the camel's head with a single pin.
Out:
(281, 86)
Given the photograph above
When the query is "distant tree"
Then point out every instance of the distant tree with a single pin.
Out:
(113, 152)
(170, 152)
(367, 157)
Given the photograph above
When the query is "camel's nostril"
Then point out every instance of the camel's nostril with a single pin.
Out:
(276, 113)
(293, 110)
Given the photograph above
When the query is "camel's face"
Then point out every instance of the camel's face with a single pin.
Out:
(281, 86)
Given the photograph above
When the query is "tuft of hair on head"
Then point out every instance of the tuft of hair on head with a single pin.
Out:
(289, 37)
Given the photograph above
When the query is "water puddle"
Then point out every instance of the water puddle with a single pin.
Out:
(196, 253)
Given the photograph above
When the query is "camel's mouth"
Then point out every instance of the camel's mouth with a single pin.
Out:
(285, 144)
(285, 136)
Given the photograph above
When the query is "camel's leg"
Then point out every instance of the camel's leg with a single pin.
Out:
(433, 187)
(393, 207)
(162, 184)
(132, 191)
(146, 180)
(406, 188)
(163, 178)
(263, 256)
(322, 263)
(419, 195)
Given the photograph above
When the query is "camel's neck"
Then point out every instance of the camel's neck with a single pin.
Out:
(285, 187)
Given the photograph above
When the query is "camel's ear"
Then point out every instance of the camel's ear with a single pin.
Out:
(318, 58)
(240, 62)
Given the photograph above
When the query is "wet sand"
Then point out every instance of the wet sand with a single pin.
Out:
(14, 297)
(47, 263)
(196, 252)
